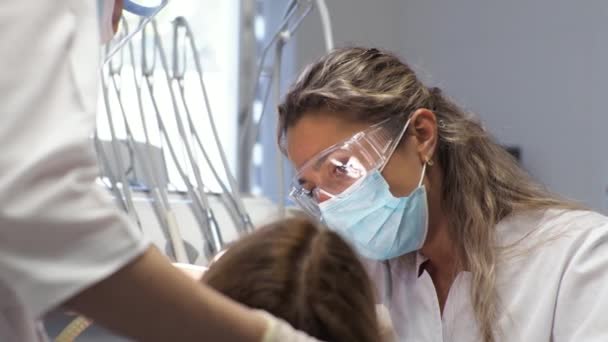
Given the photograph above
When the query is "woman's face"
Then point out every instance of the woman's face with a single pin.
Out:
(316, 131)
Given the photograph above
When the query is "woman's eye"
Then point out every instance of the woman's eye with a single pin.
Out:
(341, 169)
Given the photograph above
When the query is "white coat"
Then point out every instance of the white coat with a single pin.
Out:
(59, 232)
(552, 287)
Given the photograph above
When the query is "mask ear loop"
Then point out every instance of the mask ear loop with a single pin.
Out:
(428, 162)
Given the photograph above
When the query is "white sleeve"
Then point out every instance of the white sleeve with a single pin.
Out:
(582, 303)
(59, 232)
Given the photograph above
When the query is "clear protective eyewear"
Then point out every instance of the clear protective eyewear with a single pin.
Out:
(138, 13)
(338, 168)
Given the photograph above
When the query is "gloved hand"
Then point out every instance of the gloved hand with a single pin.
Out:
(280, 331)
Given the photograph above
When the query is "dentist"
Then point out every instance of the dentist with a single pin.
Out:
(62, 242)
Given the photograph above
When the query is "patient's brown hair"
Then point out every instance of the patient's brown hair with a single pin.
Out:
(303, 274)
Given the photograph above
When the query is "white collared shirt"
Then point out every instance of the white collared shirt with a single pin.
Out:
(59, 232)
(553, 287)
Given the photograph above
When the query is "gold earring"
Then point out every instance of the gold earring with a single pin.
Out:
(430, 162)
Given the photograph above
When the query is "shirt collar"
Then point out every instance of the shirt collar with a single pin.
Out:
(420, 260)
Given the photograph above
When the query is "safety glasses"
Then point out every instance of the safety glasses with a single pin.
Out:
(338, 169)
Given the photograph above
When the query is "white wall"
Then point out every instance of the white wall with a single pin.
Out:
(362, 22)
(535, 72)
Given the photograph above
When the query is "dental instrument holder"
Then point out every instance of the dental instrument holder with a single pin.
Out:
(198, 208)
(231, 197)
(178, 77)
(211, 228)
(251, 128)
(176, 245)
(247, 138)
(126, 190)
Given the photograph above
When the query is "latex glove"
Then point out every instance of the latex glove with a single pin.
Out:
(280, 331)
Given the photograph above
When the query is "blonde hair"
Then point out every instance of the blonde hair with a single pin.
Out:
(482, 182)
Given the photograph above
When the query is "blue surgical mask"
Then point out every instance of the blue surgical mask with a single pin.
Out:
(379, 225)
(139, 9)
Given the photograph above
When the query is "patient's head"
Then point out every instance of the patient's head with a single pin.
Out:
(303, 274)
